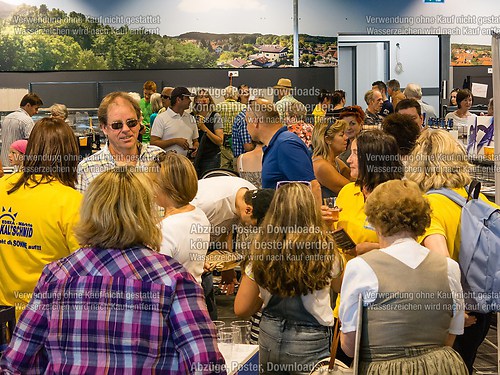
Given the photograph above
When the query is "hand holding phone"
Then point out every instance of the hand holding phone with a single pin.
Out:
(343, 240)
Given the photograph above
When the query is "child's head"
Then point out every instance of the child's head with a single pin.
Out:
(17, 151)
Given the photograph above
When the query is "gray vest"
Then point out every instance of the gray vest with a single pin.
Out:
(413, 307)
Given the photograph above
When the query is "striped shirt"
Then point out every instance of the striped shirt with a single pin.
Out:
(228, 110)
(16, 125)
(108, 311)
(102, 161)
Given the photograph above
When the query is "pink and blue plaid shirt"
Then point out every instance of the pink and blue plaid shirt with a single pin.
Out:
(110, 311)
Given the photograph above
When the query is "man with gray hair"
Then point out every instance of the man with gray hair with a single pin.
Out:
(228, 110)
(414, 91)
(374, 101)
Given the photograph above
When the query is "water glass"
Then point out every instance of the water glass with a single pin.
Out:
(244, 327)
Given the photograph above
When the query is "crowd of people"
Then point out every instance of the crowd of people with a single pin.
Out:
(105, 258)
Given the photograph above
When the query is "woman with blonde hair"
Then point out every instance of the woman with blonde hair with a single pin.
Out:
(156, 105)
(184, 227)
(210, 131)
(293, 264)
(134, 309)
(329, 141)
(439, 161)
(397, 292)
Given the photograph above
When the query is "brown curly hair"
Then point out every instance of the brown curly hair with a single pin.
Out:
(398, 206)
(294, 254)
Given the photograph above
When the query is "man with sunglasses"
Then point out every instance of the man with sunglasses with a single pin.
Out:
(165, 98)
(119, 118)
(176, 129)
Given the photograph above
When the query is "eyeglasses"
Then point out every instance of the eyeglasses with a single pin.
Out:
(131, 123)
(165, 97)
(283, 183)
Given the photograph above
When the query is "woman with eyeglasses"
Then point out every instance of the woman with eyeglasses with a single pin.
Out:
(293, 265)
(116, 305)
(210, 132)
(329, 141)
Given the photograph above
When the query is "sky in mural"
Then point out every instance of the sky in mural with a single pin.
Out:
(466, 21)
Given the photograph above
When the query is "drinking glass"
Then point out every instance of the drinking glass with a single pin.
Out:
(244, 327)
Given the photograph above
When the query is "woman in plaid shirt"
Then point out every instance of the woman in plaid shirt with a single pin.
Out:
(115, 306)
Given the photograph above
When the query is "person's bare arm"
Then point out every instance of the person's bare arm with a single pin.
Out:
(347, 342)
(436, 242)
(328, 176)
(164, 143)
(247, 301)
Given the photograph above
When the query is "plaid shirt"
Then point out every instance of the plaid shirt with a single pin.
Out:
(111, 311)
(240, 134)
(228, 110)
(102, 161)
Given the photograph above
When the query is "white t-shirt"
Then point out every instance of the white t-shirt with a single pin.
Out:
(217, 197)
(360, 278)
(458, 121)
(316, 303)
(186, 238)
(170, 124)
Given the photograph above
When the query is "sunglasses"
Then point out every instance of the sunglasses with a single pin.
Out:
(283, 183)
(165, 97)
(131, 123)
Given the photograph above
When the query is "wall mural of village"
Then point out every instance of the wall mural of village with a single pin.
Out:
(470, 54)
(57, 40)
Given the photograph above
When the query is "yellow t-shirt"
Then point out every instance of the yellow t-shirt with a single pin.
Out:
(352, 216)
(36, 228)
(353, 219)
(319, 114)
(445, 219)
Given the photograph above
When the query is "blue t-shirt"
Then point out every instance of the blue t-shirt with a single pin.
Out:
(286, 158)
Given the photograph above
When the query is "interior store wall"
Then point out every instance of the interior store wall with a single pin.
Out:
(306, 81)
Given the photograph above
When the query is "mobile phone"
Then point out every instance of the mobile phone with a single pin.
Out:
(343, 240)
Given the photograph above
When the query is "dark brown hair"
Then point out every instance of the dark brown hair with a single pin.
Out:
(378, 159)
(52, 154)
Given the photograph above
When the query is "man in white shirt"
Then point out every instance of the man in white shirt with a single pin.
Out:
(176, 129)
(17, 125)
(226, 201)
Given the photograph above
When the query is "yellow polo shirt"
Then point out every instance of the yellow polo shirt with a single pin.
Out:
(353, 219)
(36, 228)
(445, 219)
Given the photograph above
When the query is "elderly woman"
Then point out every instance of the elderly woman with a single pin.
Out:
(40, 208)
(58, 111)
(439, 161)
(115, 305)
(329, 141)
(156, 105)
(292, 267)
(398, 296)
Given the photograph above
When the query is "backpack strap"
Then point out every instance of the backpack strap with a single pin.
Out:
(450, 194)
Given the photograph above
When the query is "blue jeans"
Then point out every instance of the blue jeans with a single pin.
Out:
(291, 348)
